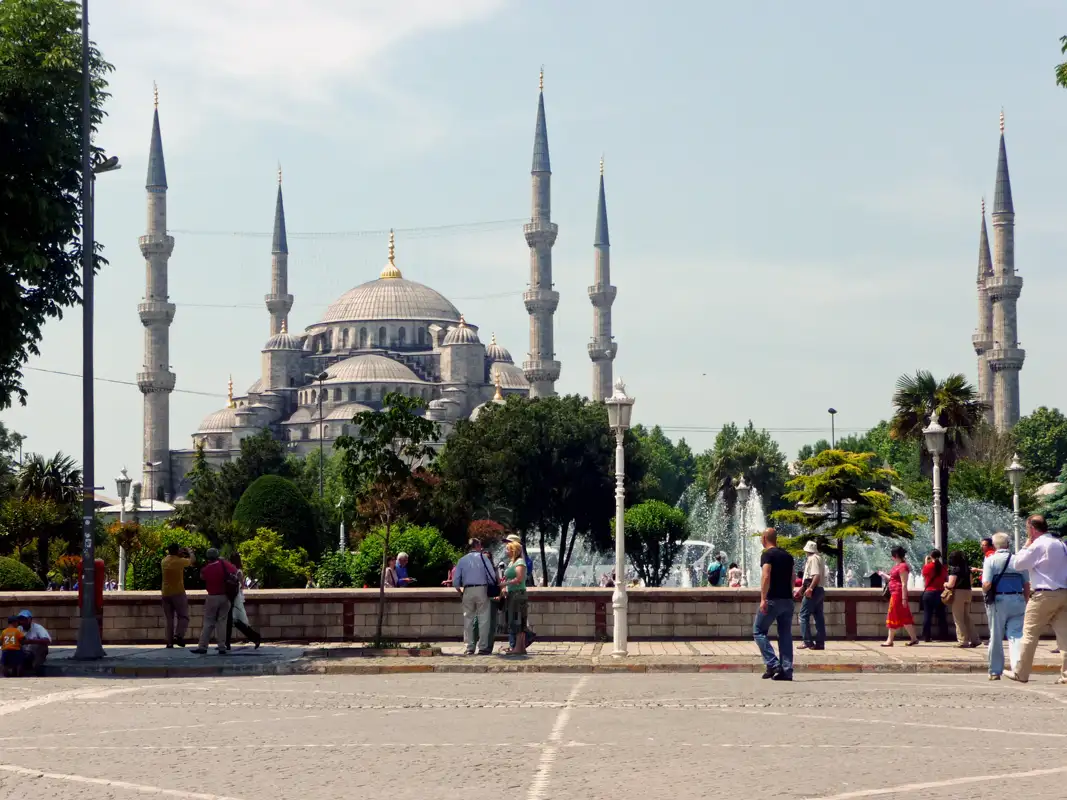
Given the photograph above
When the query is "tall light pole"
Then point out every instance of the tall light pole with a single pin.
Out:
(1015, 472)
(833, 435)
(122, 483)
(620, 408)
(837, 510)
(341, 545)
(934, 434)
(320, 378)
(743, 490)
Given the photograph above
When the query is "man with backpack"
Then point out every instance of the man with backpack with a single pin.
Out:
(220, 580)
(717, 570)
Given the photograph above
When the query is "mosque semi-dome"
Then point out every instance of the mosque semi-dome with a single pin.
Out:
(370, 368)
(221, 421)
(497, 353)
(461, 334)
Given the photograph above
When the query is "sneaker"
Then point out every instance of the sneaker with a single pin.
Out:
(782, 675)
(994, 677)
(468, 652)
(223, 652)
(805, 646)
(818, 647)
(198, 651)
(770, 672)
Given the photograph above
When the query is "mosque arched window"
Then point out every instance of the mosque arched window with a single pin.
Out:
(363, 337)
(352, 395)
(325, 431)
(366, 394)
(337, 395)
(313, 395)
(344, 338)
(344, 430)
(382, 335)
(401, 336)
(421, 335)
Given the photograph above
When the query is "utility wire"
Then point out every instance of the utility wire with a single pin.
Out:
(419, 232)
(259, 306)
(116, 380)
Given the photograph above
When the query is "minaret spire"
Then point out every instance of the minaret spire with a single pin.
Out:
(279, 301)
(602, 348)
(1006, 358)
(983, 336)
(541, 368)
(156, 381)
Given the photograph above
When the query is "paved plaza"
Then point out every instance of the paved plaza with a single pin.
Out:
(937, 737)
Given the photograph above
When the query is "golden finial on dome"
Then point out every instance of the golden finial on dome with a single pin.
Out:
(1002, 120)
(498, 396)
(285, 326)
(601, 166)
(462, 322)
(541, 80)
(155, 94)
(390, 270)
(492, 338)
(229, 394)
(279, 173)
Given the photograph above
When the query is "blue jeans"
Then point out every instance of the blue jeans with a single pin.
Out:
(781, 612)
(813, 607)
(1006, 619)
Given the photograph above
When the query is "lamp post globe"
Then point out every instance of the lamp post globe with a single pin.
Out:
(620, 409)
(934, 435)
(1015, 471)
(122, 485)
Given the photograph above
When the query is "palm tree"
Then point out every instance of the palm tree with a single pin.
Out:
(58, 479)
(956, 406)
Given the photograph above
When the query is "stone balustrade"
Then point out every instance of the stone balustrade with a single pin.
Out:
(418, 615)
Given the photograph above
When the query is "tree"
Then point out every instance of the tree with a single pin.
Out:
(955, 404)
(1041, 441)
(378, 464)
(36, 521)
(981, 476)
(654, 532)
(836, 500)
(669, 468)
(10, 444)
(543, 467)
(1061, 69)
(749, 452)
(40, 173)
(50, 493)
(274, 503)
(274, 566)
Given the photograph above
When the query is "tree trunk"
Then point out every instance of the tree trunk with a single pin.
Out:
(544, 558)
(42, 556)
(381, 585)
(565, 551)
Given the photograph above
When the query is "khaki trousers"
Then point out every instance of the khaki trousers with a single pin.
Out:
(216, 609)
(175, 606)
(961, 615)
(1044, 608)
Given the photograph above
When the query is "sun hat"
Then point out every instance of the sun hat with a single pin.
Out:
(811, 547)
(514, 537)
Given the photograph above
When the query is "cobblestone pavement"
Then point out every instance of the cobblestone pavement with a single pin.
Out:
(590, 736)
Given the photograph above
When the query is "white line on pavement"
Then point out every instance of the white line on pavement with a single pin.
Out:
(60, 697)
(133, 787)
(915, 787)
(539, 784)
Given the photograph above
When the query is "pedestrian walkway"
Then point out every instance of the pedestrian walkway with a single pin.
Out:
(645, 656)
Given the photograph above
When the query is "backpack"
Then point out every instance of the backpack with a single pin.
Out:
(230, 583)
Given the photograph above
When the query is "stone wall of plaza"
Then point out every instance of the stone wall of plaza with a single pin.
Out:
(420, 615)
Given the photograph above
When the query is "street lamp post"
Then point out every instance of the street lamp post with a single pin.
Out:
(122, 483)
(934, 434)
(743, 490)
(620, 408)
(320, 378)
(833, 435)
(1015, 472)
(837, 510)
(341, 545)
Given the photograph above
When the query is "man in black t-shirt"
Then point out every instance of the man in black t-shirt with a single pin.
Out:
(776, 605)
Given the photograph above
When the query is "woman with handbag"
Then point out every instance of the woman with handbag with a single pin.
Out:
(238, 616)
(515, 586)
(899, 615)
(934, 576)
(957, 594)
(1007, 590)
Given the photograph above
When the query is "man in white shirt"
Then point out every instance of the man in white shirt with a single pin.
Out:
(35, 645)
(811, 595)
(471, 578)
(1045, 558)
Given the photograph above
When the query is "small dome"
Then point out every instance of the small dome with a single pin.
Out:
(461, 334)
(221, 421)
(283, 341)
(497, 354)
(477, 411)
(370, 368)
(347, 411)
(257, 387)
(511, 376)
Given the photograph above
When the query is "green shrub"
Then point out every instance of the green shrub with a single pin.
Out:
(17, 577)
(275, 503)
(337, 570)
(273, 565)
(145, 572)
(430, 555)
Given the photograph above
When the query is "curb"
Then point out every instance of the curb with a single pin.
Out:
(322, 667)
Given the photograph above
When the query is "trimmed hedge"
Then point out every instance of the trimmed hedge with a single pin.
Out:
(275, 503)
(430, 556)
(17, 577)
(337, 571)
(145, 572)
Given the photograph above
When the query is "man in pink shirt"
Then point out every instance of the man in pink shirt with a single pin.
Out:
(1045, 558)
(217, 605)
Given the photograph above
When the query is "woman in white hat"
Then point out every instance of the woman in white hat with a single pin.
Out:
(812, 593)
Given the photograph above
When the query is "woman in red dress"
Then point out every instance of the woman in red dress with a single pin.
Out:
(899, 615)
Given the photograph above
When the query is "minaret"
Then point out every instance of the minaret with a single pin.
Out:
(541, 369)
(983, 337)
(279, 301)
(1004, 286)
(156, 381)
(602, 294)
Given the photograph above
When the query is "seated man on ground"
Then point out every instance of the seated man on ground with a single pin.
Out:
(35, 645)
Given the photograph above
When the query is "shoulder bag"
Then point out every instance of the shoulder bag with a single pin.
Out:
(492, 589)
(991, 595)
(230, 582)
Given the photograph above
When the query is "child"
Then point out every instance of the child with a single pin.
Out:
(12, 637)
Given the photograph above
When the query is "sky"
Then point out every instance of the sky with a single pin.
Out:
(793, 193)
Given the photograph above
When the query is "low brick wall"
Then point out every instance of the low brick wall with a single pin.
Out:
(418, 615)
